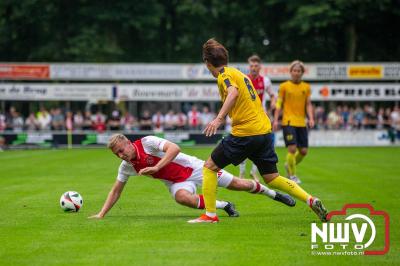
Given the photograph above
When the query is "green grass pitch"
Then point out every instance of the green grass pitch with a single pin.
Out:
(146, 227)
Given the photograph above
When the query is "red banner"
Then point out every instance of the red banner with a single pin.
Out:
(9, 71)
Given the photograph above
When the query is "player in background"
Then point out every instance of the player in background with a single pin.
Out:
(181, 173)
(263, 86)
(294, 100)
(250, 137)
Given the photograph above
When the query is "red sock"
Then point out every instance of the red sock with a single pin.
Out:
(256, 188)
(200, 203)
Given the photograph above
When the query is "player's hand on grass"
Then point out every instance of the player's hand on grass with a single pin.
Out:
(212, 127)
(96, 216)
(149, 170)
(275, 125)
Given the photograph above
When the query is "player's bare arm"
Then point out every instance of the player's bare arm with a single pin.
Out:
(112, 198)
(271, 94)
(171, 151)
(212, 127)
(276, 115)
(310, 113)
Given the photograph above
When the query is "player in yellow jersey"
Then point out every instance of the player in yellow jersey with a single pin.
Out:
(294, 100)
(250, 137)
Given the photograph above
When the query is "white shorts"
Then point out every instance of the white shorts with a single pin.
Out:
(196, 180)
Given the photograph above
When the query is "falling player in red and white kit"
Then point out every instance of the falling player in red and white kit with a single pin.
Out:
(263, 86)
(181, 173)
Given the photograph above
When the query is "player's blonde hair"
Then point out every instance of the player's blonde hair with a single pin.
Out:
(297, 62)
(114, 139)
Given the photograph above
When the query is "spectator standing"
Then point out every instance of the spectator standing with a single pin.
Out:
(194, 118)
(206, 117)
(57, 120)
(180, 121)
(44, 119)
(69, 121)
(128, 122)
(3, 124)
(345, 114)
(320, 117)
(17, 122)
(395, 120)
(158, 121)
(145, 121)
(99, 121)
(114, 122)
(169, 120)
(87, 121)
(78, 120)
(31, 122)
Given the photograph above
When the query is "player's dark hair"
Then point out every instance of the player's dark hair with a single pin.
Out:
(215, 53)
(254, 59)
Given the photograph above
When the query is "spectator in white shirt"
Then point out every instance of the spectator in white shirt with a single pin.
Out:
(206, 117)
(158, 121)
(180, 121)
(170, 120)
(44, 119)
(194, 118)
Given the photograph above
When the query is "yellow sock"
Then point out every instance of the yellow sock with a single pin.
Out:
(291, 162)
(299, 157)
(289, 187)
(210, 189)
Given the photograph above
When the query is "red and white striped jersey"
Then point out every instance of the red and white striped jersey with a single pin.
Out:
(149, 152)
(262, 85)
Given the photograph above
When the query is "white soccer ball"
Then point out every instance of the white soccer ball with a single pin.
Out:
(71, 201)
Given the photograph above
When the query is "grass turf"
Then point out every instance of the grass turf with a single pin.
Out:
(146, 227)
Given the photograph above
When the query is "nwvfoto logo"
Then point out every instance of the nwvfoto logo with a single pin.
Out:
(356, 233)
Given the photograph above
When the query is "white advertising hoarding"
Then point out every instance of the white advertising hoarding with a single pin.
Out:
(183, 92)
(191, 72)
(42, 92)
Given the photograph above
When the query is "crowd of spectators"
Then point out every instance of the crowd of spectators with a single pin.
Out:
(56, 119)
(366, 117)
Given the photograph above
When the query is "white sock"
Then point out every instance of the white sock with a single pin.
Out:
(220, 204)
(254, 169)
(242, 168)
(211, 214)
(269, 192)
(260, 188)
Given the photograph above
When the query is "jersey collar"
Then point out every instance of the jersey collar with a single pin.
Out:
(137, 153)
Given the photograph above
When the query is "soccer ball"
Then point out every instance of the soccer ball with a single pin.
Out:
(71, 201)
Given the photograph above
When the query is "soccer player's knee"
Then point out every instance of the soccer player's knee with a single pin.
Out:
(269, 177)
(211, 165)
(303, 151)
(292, 148)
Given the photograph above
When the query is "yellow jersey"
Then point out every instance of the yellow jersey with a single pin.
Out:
(294, 100)
(247, 114)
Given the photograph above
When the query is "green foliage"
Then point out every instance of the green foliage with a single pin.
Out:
(173, 31)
